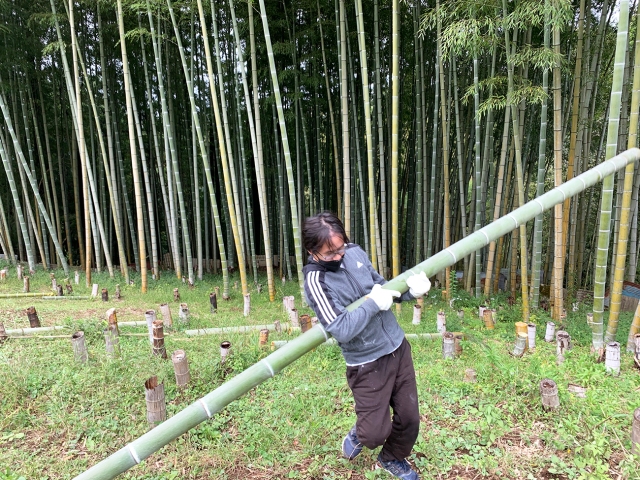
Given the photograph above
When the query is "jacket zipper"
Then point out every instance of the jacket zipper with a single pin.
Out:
(361, 290)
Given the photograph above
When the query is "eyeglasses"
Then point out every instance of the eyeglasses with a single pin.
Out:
(331, 255)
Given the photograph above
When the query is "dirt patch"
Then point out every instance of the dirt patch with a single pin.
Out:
(466, 473)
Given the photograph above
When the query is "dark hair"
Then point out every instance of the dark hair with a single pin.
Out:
(317, 231)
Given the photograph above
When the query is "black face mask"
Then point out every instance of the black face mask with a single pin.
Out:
(332, 265)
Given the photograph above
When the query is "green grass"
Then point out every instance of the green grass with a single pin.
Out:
(58, 418)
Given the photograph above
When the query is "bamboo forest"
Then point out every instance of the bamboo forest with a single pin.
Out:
(491, 145)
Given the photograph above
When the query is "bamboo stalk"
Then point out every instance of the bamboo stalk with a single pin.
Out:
(63, 297)
(16, 332)
(243, 329)
(204, 408)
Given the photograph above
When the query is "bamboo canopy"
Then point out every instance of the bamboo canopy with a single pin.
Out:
(204, 408)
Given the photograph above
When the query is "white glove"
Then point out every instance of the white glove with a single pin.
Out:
(418, 284)
(382, 297)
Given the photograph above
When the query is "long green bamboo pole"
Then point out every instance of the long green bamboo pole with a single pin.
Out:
(204, 408)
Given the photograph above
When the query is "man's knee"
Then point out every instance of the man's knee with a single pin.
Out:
(373, 438)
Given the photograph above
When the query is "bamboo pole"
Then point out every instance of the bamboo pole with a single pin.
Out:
(21, 295)
(204, 408)
(242, 329)
(18, 332)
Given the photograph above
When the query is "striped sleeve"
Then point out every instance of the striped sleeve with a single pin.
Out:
(319, 298)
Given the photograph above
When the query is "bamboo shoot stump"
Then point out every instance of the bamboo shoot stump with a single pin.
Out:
(77, 277)
(441, 322)
(183, 314)
(487, 316)
(448, 345)
(276, 326)
(305, 322)
(635, 433)
(54, 283)
(549, 394)
(417, 313)
(176, 295)
(32, 315)
(19, 271)
(263, 340)
(550, 333)
(94, 290)
(481, 310)
(293, 317)
(25, 288)
(531, 333)
(213, 301)
(165, 310)
(158, 340)
(112, 341)
(112, 320)
(224, 350)
(521, 345)
(181, 368)
(259, 288)
(118, 293)
(105, 295)
(150, 317)
(457, 343)
(79, 347)
(156, 406)
(612, 359)
(3, 275)
(563, 344)
(59, 291)
(69, 289)
(247, 304)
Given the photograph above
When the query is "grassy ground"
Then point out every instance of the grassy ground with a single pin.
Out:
(58, 417)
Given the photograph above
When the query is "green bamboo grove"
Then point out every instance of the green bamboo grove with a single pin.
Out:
(203, 409)
(159, 137)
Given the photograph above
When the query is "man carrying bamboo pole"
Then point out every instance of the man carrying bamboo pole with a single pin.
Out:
(380, 369)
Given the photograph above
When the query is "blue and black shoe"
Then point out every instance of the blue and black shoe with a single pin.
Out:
(398, 468)
(351, 447)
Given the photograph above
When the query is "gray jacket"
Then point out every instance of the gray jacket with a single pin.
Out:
(366, 333)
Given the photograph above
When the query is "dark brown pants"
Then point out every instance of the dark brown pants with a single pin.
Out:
(387, 382)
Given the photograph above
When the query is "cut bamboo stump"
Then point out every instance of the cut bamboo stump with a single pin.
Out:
(441, 322)
(259, 288)
(284, 280)
(612, 358)
(224, 350)
(19, 271)
(156, 406)
(470, 375)
(448, 345)
(522, 327)
(636, 355)
(54, 283)
(158, 340)
(247, 304)
(94, 290)
(531, 333)
(3, 333)
(32, 315)
(293, 317)
(305, 322)
(417, 313)
(69, 289)
(487, 317)
(457, 343)
(118, 293)
(79, 347)
(549, 394)
(521, 345)
(105, 295)
(59, 291)
(77, 277)
(183, 314)
(263, 340)
(213, 301)
(150, 317)
(165, 310)
(3, 275)
(25, 284)
(112, 341)
(550, 333)
(276, 326)
(176, 295)
(563, 344)
(112, 320)
(181, 368)
(635, 433)
(481, 310)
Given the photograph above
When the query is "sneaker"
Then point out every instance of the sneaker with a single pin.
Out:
(351, 447)
(399, 469)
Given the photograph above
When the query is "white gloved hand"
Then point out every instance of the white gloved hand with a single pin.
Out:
(418, 284)
(382, 297)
